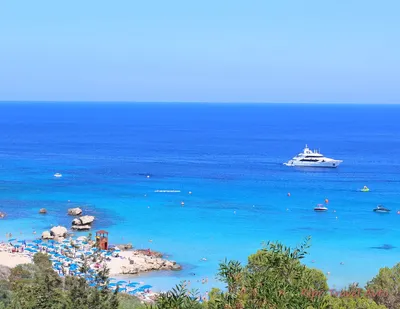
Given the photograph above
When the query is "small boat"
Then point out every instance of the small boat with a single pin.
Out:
(320, 208)
(381, 209)
(58, 175)
(365, 189)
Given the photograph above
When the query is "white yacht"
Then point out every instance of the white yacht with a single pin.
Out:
(309, 158)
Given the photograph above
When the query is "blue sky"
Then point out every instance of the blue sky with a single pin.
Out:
(343, 51)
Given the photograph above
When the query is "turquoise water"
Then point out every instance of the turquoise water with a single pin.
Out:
(229, 157)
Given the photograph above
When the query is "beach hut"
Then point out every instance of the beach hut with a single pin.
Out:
(102, 239)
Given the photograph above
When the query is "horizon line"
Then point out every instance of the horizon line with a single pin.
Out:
(195, 102)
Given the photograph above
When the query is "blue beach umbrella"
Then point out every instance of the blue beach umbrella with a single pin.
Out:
(121, 289)
(112, 284)
(121, 282)
(134, 291)
(145, 287)
(132, 284)
(111, 279)
(37, 241)
(21, 241)
(17, 246)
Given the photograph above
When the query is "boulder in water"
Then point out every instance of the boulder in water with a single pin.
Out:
(47, 235)
(74, 211)
(81, 227)
(58, 231)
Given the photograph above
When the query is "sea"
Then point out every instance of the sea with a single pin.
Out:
(205, 183)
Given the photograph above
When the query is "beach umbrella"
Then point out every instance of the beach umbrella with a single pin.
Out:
(111, 279)
(121, 282)
(145, 287)
(12, 239)
(121, 289)
(134, 291)
(132, 284)
(112, 284)
(37, 241)
(17, 246)
(21, 241)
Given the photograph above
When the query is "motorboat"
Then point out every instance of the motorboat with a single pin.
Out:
(381, 209)
(312, 158)
(57, 175)
(365, 189)
(320, 208)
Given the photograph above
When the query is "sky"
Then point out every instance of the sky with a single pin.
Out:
(299, 51)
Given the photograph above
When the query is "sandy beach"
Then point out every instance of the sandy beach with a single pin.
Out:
(13, 259)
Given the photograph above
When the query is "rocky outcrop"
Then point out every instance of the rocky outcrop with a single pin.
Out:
(47, 235)
(58, 232)
(75, 211)
(82, 223)
(43, 211)
(140, 262)
(125, 247)
(81, 227)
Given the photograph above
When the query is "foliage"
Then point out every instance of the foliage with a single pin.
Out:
(353, 303)
(129, 302)
(273, 278)
(178, 298)
(385, 287)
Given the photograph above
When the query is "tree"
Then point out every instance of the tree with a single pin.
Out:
(273, 278)
(178, 298)
(384, 289)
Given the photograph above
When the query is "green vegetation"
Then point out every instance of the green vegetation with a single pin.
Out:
(37, 285)
(274, 277)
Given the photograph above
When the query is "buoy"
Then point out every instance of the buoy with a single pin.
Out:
(288, 194)
(190, 192)
(326, 201)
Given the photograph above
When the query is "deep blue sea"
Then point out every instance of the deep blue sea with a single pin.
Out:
(230, 157)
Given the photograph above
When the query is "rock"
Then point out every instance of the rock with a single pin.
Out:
(176, 267)
(46, 235)
(81, 227)
(125, 247)
(76, 221)
(58, 231)
(74, 211)
(43, 211)
(86, 220)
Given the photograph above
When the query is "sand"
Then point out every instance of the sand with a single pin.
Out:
(13, 259)
(116, 263)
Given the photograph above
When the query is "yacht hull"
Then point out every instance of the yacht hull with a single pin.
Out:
(328, 164)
